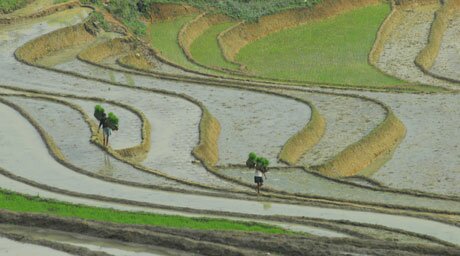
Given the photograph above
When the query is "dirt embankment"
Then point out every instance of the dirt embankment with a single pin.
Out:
(36, 49)
(99, 52)
(137, 62)
(234, 39)
(381, 141)
(427, 56)
(133, 56)
(208, 148)
(305, 139)
(164, 11)
(40, 13)
(389, 25)
(194, 29)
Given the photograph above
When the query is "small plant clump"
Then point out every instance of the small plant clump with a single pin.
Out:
(99, 19)
(113, 121)
(8, 6)
(260, 163)
(129, 12)
(251, 162)
(98, 112)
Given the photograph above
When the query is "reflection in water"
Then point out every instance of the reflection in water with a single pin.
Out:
(107, 169)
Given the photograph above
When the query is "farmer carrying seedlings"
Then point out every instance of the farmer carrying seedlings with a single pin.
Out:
(259, 180)
(104, 122)
(108, 123)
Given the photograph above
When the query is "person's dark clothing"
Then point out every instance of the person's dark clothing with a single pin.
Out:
(104, 122)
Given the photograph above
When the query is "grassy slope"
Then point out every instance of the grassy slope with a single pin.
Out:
(205, 49)
(330, 51)
(163, 37)
(7, 6)
(249, 10)
(19, 203)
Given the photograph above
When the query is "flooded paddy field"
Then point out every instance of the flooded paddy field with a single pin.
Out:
(11, 247)
(49, 147)
(428, 158)
(245, 116)
(447, 63)
(297, 180)
(405, 43)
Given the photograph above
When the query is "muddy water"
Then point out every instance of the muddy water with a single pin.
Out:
(405, 43)
(428, 158)
(71, 134)
(20, 139)
(116, 248)
(10, 247)
(348, 119)
(175, 121)
(296, 180)
(250, 121)
(447, 63)
(130, 132)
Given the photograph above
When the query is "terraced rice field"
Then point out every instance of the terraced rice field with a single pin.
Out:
(351, 171)
(338, 58)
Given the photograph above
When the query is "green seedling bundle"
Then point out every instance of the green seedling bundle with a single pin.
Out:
(98, 112)
(112, 119)
(260, 163)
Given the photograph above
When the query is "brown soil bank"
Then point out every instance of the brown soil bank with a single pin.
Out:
(41, 13)
(305, 139)
(102, 51)
(195, 28)
(208, 149)
(164, 11)
(233, 40)
(381, 141)
(136, 62)
(222, 242)
(427, 56)
(134, 54)
(36, 49)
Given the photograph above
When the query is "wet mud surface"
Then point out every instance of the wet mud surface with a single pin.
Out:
(115, 248)
(405, 43)
(428, 158)
(251, 122)
(447, 63)
(296, 180)
(248, 119)
(28, 143)
(348, 120)
(11, 247)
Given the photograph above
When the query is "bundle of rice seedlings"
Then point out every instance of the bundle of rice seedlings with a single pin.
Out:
(98, 112)
(113, 121)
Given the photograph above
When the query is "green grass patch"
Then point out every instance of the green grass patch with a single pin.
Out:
(163, 38)
(8, 6)
(206, 51)
(333, 51)
(60, 1)
(19, 203)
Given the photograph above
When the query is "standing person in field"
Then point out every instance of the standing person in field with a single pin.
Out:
(259, 180)
(104, 122)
